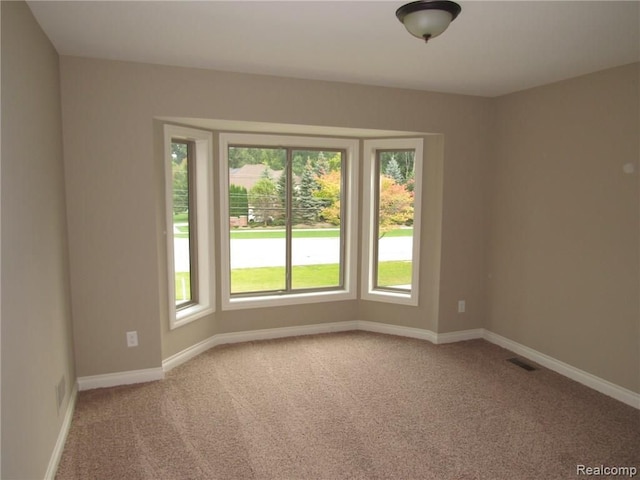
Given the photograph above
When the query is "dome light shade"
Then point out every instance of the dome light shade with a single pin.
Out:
(428, 18)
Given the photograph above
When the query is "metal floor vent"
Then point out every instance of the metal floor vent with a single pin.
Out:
(521, 364)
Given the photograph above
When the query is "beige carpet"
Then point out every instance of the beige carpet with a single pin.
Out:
(349, 405)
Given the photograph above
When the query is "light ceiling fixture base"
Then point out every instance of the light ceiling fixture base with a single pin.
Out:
(427, 19)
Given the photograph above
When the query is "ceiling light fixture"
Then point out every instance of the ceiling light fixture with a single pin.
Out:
(428, 18)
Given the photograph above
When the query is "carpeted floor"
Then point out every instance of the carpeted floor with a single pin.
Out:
(349, 405)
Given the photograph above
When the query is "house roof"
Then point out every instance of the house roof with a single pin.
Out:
(247, 175)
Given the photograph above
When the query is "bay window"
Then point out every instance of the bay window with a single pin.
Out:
(288, 225)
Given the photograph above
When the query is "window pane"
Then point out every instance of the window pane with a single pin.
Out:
(316, 245)
(182, 240)
(257, 219)
(394, 248)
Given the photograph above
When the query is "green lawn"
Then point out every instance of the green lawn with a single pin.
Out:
(305, 276)
(305, 233)
(272, 278)
(181, 218)
(182, 231)
(394, 273)
(183, 280)
(297, 233)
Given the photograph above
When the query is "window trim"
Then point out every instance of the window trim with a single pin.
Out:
(369, 291)
(348, 291)
(192, 220)
(204, 304)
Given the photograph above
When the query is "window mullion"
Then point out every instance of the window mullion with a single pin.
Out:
(344, 189)
(289, 219)
(376, 222)
(192, 216)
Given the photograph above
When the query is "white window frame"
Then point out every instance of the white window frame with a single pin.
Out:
(368, 288)
(205, 303)
(349, 288)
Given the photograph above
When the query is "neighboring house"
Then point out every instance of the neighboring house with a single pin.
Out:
(247, 175)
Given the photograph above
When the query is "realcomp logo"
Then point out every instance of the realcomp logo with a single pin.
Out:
(604, 470)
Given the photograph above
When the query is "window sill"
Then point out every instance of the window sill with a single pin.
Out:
(239, 303)
(190, 314)
(390, 297)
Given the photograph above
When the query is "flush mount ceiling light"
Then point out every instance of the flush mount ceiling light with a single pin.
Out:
(428, 18)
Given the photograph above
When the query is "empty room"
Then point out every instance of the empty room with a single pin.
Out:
(320, 239)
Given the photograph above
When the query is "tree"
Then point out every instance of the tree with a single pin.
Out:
(281, 188)
(306, 206)
(335, 161)
(263, 197)
(395, 205)
(180, 177)
(274, 158)
(328, 195)
(393, 170)
(321, 165)
(238, 201)
(405, 160)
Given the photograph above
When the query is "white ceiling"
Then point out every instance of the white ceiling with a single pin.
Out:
(492, 48)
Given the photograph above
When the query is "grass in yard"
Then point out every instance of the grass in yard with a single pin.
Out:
(399, 232)
(310, 276)
(242, 234)
(181, 218)
(273, 278)
(266, 233)
(394, 273)
(254, 279)
(182, 231)
(245, 280)
(183, 286)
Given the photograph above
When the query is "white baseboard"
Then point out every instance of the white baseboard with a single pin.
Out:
(120, 378)
(270, 333)
(188, 353)
(56, 455)
(252, 335)
(603, 386)
(460, 336)
(410, 332)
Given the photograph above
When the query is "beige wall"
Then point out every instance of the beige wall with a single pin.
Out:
(539, 223)
(114, 181)
(37, 348)
(564, 223)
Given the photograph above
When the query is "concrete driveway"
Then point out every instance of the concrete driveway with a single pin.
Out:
(270, 252)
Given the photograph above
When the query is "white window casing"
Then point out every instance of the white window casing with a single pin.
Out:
(369, 291)
(204, 188)
(348, 291)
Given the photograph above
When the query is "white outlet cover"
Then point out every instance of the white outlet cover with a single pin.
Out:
(462, 304)
(132, 339)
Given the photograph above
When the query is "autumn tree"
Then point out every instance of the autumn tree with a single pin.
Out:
(328, 195)
(395, 205)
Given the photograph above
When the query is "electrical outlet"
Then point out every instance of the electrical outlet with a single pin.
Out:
(462, 306)
(132, 339)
